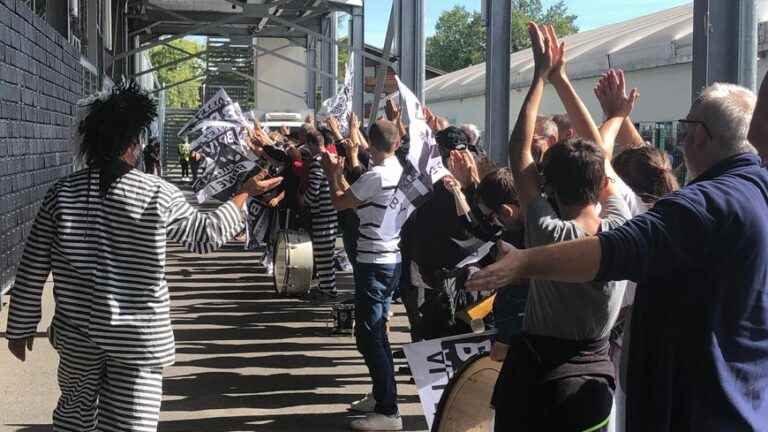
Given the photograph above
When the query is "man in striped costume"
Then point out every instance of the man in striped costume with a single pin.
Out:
(102, 232)
(324, 217)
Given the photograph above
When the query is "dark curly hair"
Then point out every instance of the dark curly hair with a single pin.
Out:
(575, 170)
(113, 123)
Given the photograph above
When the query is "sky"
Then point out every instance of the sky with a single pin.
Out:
(591, 13)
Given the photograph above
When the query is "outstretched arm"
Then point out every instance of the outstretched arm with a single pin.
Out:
(612, 94)
(545, 54)
(577, 112)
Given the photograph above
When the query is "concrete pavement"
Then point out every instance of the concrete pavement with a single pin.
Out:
(247, 359)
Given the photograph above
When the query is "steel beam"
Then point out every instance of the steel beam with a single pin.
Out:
(172, 63)
(328, 56)
(312, 72)
(724, 43)
(321, 37)
(383, 70)
(411, 43)
(498, 15)
(357, 31)
(178, 83)
(193, 31)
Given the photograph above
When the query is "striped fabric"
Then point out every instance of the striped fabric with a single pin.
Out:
(378, 243)
(107, 256)
(98, 393)
(324, 225)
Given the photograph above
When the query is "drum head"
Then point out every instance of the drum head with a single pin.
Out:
(465, 405)
(281, 262)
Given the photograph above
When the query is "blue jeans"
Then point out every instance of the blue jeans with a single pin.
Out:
(374, 285)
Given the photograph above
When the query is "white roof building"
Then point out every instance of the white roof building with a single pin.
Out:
(654, 50)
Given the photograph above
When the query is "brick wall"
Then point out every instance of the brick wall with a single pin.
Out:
(40, 83)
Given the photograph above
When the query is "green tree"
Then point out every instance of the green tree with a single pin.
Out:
(343, 57)
(186, 95)
(459, 39)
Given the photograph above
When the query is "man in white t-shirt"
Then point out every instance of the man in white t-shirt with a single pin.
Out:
(378, 269)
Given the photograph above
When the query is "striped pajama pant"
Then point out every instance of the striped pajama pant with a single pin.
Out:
(100, 394)
(323, 246)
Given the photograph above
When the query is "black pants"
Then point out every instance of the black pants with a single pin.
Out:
(551, 384)
(573, 404)
(184, 168)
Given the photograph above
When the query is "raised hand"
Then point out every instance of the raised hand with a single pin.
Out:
(334, 126)
(354, 122)
(611, 91)
(333, 165)
(557, 52)
(393, 112)
(542, 56)
(462, 165)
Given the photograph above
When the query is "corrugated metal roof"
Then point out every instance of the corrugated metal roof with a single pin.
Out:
(659, 39)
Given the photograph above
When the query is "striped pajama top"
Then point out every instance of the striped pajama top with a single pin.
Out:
(107, 255)
(318, 197)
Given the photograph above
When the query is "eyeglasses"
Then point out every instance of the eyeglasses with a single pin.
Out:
(684, 124)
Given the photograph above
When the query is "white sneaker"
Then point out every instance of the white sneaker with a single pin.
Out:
(364, 405)
(377, 422)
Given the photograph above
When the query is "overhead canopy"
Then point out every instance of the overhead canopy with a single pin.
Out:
(256, 17)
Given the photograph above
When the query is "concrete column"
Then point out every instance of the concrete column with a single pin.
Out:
(724, 43)
(497, 119)
(411, 44)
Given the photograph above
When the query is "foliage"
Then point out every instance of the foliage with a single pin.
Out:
(459, 39)
(185, 95)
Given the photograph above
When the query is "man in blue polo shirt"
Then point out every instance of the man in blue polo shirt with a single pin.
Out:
(699, 354)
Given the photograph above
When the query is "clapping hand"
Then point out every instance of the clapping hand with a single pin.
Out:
(335, 128)
(333, 165)
(611, 91)
(548, 51)
(463, 167)
(393, 112)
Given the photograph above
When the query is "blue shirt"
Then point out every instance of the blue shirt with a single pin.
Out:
(699, 352)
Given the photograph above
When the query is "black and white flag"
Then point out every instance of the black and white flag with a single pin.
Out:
(423, 166)
(340, 105)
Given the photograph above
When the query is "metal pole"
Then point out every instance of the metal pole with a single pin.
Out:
(383, 70)
(498, 13)
(358, 46)
(328, 56)
(178, 83)
(312, 72)
(411, 43)
(724, 43)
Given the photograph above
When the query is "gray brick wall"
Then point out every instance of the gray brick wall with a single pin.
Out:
(40, 83)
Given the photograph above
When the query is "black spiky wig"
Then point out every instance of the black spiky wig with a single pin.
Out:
(113, 122)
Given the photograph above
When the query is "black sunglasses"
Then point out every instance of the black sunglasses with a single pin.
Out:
(687, 122)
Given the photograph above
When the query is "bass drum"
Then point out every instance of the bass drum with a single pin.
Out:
(465, 405)
(293, 263)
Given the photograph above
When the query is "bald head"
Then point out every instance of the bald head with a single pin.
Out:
(384, 136)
